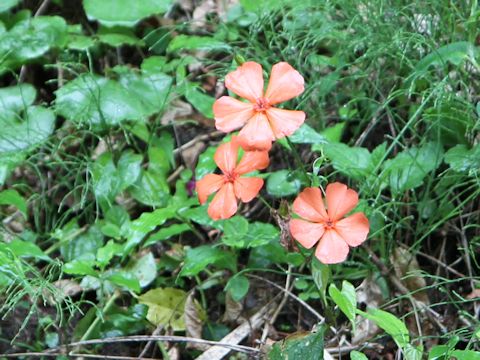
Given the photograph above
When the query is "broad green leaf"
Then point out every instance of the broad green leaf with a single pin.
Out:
(356, 355)
(80, 267)
(144, 269)
(165, 307)
(461, 159)
(12, 197)
(408, 169)
(166, 233)
(206, 164)
(283, 183)
(8, 162)
(192, 42)
(151, 189)
(240, 234)
(107, 252)
(454, 53)
(26, 249)
(197, 259)
(124, 12)
(299, 346)
(307, 135)
(148, 221)
(19, 134)
(353, 162)
(128, 280)
(102, 102)
(30, 39)
(118, 36)
(334, 133)
(81, 247)
(238, 287)
(17, 98)
(390, 324)
(466, 355)
(8, 4)
(345, 299)
(200, 101)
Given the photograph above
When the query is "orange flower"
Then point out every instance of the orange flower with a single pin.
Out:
(335, 234)
(231, 186)
(262, 123)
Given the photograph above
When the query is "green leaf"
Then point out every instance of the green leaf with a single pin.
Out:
(466, 355)
(12, 197)
(206, 164)
(30, 39)
(149, 221)
(8, 4)
(144, 269)
(197, 259)
(356, 355)
(118, 36)
(238, 287)
(151, 189)
(82, 247)
(462, 159)
(17, 98)
(125, 279)
(408, 169)
(321, 276)
(102, 102)
(26, 249)
(166, 233)
(283, 183)
(8, 162)
(345, 299)
(240, 234)
(353, 162)
(390, 324)
(307, 135)
(165, 307)
(299, 346)
(334, 133)
(455, 53)
(191, 42)
(35, 128)
(107, 252)
(124, 12)
(200, 101)
(80, 267)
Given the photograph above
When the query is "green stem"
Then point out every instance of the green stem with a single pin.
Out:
(297, 157)
(95, 322)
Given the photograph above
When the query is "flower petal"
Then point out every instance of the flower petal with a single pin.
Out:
(285, 83)
(309, 205)
(247, 188)
(224, 204)
(251, 161)
(284, 122)
(209, 184)
(231, 114)
(340, 200)
(257, 134)
(226, 156)
(305, 232)
(353, 229)
(332, 249)
(246, 81)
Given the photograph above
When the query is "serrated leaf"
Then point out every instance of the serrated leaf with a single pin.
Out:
(80, 267)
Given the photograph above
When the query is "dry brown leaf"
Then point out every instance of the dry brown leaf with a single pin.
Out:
(406, 268)
(177, 109)
(368, 293)
(194, 318)
(233, 310)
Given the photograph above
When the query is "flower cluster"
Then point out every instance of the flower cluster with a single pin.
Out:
(260, 123)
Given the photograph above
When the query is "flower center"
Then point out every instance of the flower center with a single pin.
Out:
(261, 105)
(230, 177)
(329, 224)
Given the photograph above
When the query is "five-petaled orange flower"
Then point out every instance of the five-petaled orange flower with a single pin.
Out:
(262, 123)
(231, 186)
(335, 233)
